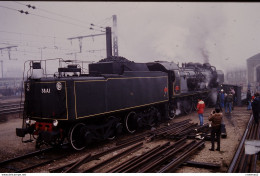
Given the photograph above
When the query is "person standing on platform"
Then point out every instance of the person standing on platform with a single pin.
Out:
(232, 90)
(215, 117)
(229, 100)
(222, 98)
(200, 110)
(256, 107)
(249, 98)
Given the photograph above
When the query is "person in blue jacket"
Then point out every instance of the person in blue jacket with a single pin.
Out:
(221, 99)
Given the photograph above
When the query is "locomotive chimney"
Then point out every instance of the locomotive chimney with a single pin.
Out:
(109, 42)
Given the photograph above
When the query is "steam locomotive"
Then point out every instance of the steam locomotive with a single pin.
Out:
(115, 95)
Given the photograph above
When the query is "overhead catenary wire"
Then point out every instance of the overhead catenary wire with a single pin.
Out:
(103, 22)
(26, 51)
(19, 33)
(25, 41)
(9, 8)
(62, 21)
(45, 17)
(41, 16)
(53, 19)
(47, 47)
(57, 48)
(54, 13)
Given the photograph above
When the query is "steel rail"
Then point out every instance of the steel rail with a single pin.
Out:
(25, 156)
(118, 169)
(164, 158)
(124, 166)
(179, 160)
(177, 130)
(78, 164)
(254, 160)
(138, 138)
(129, 163)
(174, 125)
(146, 159)
(131, 149)
(243, 162)
(94, 157)
(2, 106)
(39, 164)
(11, 111)
(169, 130)
(248, 158)
(234, 163)
(185, 131)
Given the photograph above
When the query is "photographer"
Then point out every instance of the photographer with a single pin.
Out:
(215, 118)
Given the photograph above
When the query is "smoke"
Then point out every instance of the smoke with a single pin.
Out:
(178, 110)
(213, 96)
(203, 27)
(205, 55)
(193, 38)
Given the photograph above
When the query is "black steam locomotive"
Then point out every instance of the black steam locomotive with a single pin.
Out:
(116, 95)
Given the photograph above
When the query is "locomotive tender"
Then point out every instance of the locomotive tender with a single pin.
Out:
(116, 94)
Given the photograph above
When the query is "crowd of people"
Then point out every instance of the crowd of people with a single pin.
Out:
(226, 101)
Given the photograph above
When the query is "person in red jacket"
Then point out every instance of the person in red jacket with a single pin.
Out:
(200, 110)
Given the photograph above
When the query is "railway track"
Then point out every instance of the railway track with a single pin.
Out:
(32, 160)
(166, 157)
(241, 162)
(10, 108)
(158, 150)
(72, 166)
(181, 142)
(10, 97)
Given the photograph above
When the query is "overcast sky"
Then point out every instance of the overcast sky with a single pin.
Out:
(223, 34)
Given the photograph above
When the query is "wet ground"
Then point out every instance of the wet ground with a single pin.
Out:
(235, 122)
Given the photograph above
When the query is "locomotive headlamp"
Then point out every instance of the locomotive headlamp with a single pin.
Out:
(55, 122)
(59, 86)
(28, 121)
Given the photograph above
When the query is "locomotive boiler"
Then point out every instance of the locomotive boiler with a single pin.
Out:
(116, 95)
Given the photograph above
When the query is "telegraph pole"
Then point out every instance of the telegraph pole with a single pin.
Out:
(9, 50)
(108, 40)
(41, 51)
(115, 38)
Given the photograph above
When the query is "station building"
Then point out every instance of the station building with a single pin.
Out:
(253, 72)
